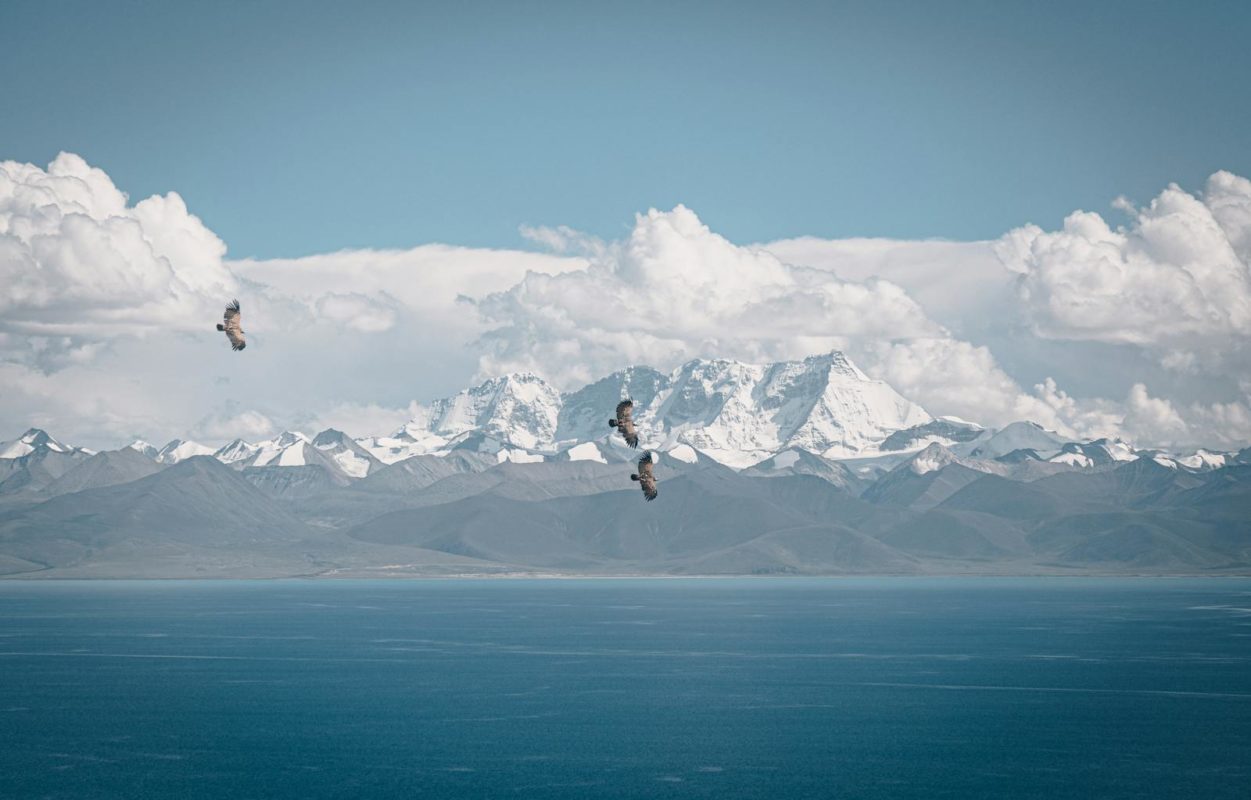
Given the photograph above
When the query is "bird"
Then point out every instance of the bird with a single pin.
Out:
(230, 324)
(624, 422)
(646, 478)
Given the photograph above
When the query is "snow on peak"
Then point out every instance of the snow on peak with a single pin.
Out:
(147, 448)
(238, 450)
(737, 413)
(30, 441)
(1019, 436)
(180, 450)
(741, 413)
(1203, 460)
(931, 459)
(350, 457)
(519, 410)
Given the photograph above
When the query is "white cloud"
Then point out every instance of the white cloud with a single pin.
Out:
(1176, 280)
(959, 379)
(249, 425)
(961, 285)
(674, 290)
(1160, 422)
(357, 311)
(362, 419)
(77, 260)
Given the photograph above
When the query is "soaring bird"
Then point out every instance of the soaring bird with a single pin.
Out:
(624, 422)
(230, 324)
(646, 478)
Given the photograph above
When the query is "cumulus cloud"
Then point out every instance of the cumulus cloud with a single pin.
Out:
(77, 260)
(675, 290)
(959, 379)
(357, 311)
(1175, 280)
(362, 419)
(248, 424)
(1161, 422)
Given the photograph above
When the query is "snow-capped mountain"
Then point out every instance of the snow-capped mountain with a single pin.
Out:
(352, 459)
(735, 412)
(947, 431)
(32, 441)
(518, 410)
(146, 448)
(236, 451)
(1016, 436)
(732, 412)
(35, 460)
(180, 450)
(741, 414)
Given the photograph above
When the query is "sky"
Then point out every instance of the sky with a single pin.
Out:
(1006, 210)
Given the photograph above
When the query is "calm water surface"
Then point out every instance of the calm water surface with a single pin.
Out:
(890, 688)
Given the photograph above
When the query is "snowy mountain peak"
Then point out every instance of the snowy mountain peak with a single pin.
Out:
(238, 450)
(329, 438)
(30, 441)
(180, 450)
(519, 409)
(1019, 436)
(148, 449)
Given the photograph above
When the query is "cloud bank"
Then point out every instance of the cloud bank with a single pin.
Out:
(351, 339)
(77, 260)
(1175, 280)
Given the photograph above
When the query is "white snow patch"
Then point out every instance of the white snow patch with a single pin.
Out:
(587, 451)
(517, 456)
(684, 453)
(1204, 459)
(292, 456)
(352, 465)
(179, 450)
(16, 449)
(1073, 460)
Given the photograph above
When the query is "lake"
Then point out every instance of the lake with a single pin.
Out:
(725, 688)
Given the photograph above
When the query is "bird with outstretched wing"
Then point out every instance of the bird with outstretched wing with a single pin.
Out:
(645, 477)
(231, 323)
(624, 422)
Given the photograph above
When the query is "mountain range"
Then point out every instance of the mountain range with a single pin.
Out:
(800, 467)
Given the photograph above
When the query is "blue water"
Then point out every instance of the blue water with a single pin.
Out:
(785, 688)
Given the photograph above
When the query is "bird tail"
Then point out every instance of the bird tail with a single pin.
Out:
(221, 327)
(634, 477)
(612, 423)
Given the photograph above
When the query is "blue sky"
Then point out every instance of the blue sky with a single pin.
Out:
(300, 128)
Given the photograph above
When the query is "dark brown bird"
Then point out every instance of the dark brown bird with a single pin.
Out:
(646, 478)
(230, 324)
(624, 422)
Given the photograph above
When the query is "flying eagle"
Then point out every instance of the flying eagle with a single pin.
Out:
(230, 324)
(624, 422)
(646, 478)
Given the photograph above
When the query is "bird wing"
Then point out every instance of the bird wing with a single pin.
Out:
(232, 324)
(625, 422)
(625, 412)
